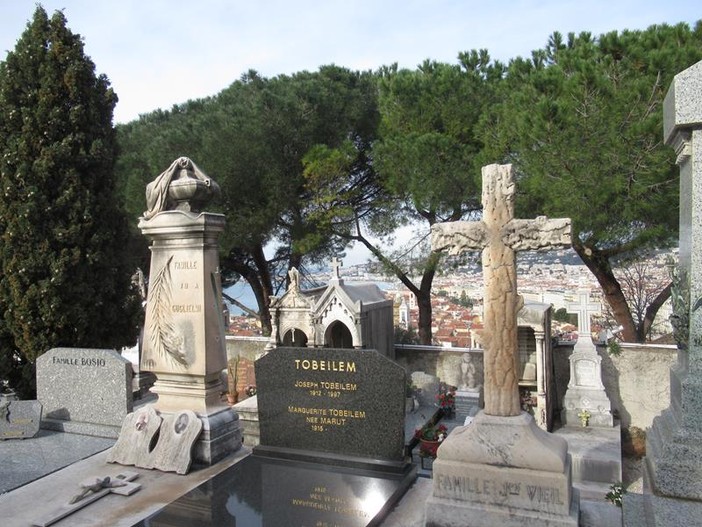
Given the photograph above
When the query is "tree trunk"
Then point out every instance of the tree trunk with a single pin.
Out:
(599, 265)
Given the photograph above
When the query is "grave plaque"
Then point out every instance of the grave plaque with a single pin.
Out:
(340, 402)
(19, 419)
(84, 391)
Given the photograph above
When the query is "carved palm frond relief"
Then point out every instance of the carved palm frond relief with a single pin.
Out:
(164, 338)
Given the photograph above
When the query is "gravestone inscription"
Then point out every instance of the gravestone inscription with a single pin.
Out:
(84, 391)
(19, 419)
(332, 401)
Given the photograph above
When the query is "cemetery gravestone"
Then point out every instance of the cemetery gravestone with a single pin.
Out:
(84, 391)
(133, 447)
(183, 343)
(501, 469)
(19, 419)
(332, 445)
(332, 404)
(586, 398)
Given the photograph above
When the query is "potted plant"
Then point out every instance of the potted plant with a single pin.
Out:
(430, 437)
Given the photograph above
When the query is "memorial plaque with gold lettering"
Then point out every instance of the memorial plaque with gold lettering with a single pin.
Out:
(19, 419)
(342, 402)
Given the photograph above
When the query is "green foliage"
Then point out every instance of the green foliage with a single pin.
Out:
(616, 493)
(65, 278)
(581, 122)
(252, 139)
(613, 348)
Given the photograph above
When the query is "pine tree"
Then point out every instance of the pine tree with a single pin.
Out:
(65, 278)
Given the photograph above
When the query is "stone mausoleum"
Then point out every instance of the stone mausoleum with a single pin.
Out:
(338, 315)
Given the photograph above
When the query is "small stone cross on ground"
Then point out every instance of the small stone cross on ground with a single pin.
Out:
(499, 235)
(584, 308)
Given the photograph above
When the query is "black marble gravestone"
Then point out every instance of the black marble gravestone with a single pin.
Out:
(331, 452)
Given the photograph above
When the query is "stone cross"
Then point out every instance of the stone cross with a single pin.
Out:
(92, 490)
(584, 308)
(336, 268)
(499, 235)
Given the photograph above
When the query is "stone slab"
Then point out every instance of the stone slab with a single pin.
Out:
(174, 449)
(454, 513)
(23, 505)
(133, 447)
(19, 419)
(505, 487)
(22, 462)
(334, 402)
(260, 491)
(84, 390)
(596, 453)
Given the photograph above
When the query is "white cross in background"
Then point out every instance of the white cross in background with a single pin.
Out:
(584, 308)
(336, 265)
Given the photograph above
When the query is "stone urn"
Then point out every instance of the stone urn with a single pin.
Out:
(188, 192)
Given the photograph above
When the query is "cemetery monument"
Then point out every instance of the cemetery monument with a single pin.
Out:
(586, 402)
(184, 342)
(501, 469)
(673, 476)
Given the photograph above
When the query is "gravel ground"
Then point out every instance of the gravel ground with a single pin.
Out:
(632, 474)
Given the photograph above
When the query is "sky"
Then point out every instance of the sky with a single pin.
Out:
(158, 53)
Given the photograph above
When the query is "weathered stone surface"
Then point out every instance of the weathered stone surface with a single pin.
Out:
(85, 391)
(174, 450)
(501, 469)
(499, 236)
(19, 419)
(135, 438)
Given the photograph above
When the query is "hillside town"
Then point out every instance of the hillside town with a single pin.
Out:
(547, 278)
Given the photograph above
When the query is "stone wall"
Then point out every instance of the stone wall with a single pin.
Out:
(445, 363)
(245, 347)
(637, 381)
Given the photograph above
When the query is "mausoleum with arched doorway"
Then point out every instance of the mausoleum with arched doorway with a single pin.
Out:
(339, 315)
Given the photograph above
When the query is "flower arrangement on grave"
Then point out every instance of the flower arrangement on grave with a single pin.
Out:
(430, 437)
(447, 398)
(584, 416)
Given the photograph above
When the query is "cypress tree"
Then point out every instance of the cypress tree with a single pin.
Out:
(65, 278)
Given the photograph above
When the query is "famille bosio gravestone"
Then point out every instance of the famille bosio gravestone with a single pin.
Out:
(502, 469)
(84, 391)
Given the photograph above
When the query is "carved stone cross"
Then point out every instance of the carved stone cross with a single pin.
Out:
(499, 235)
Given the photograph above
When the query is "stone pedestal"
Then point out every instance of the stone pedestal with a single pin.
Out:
(673, 475)
(184, 343)
(586, 393)
(502, 471)
(674, 444)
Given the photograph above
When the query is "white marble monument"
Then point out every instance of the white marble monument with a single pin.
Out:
(586, 402)
(184, 343)
(501, 469)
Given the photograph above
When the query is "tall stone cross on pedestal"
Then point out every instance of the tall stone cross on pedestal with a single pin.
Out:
(499, 235)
